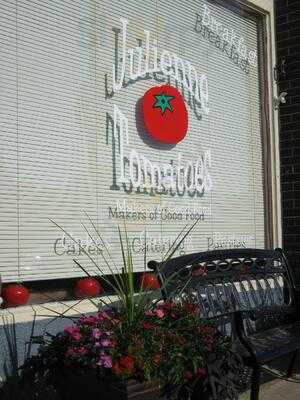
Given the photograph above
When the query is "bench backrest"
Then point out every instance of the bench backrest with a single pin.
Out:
(224, 281)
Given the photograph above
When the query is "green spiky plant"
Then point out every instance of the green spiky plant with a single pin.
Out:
(132, 303)
(13, 361)
(13, 385)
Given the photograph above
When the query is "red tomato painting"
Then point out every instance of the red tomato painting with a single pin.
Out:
(165, 114)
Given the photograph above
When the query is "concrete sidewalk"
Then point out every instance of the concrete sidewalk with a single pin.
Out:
(278, 389)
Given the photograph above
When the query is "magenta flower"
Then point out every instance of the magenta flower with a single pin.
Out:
(105, 361)
(96, 333)
(74, 332)
(88, 320)
(106, 343)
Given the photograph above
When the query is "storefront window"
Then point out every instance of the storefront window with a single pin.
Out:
(78, 134)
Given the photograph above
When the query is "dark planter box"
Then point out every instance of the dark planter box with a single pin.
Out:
(90, 387)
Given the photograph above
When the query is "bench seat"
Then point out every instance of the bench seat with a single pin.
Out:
(273, 343)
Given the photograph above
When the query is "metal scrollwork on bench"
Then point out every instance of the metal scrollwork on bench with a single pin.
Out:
(226, 281)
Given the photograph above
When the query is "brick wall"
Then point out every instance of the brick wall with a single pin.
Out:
(288, 46)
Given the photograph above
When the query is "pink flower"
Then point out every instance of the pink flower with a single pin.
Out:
(106, 343)
(105, 361)
(149, 313)
(147, 325)
(88, 320)
(160, 314)
(96, 333)
(74, 332)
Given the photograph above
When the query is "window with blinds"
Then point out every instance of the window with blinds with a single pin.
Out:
(73, 139)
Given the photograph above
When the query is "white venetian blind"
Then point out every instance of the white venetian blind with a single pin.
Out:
(60, 155)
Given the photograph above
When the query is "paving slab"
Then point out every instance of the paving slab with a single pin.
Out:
(278, 389)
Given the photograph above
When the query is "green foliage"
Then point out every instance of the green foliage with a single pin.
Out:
(170, 342)
(133, 303)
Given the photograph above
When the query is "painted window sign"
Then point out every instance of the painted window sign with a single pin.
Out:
(227, 38)
(129, 115)
(169, 64)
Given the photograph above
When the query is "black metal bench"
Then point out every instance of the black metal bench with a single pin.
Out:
(249, 291)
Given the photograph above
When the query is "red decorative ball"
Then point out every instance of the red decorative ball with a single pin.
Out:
(149, 281)
(15, 295)
(87, 287)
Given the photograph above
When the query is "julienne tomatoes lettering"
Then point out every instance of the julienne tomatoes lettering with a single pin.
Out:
(165, 114)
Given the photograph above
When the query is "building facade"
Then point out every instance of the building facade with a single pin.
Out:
(155, 113)
(288, 61)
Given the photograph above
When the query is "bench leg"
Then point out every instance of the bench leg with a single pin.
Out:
(291, 365)
(255, 383)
